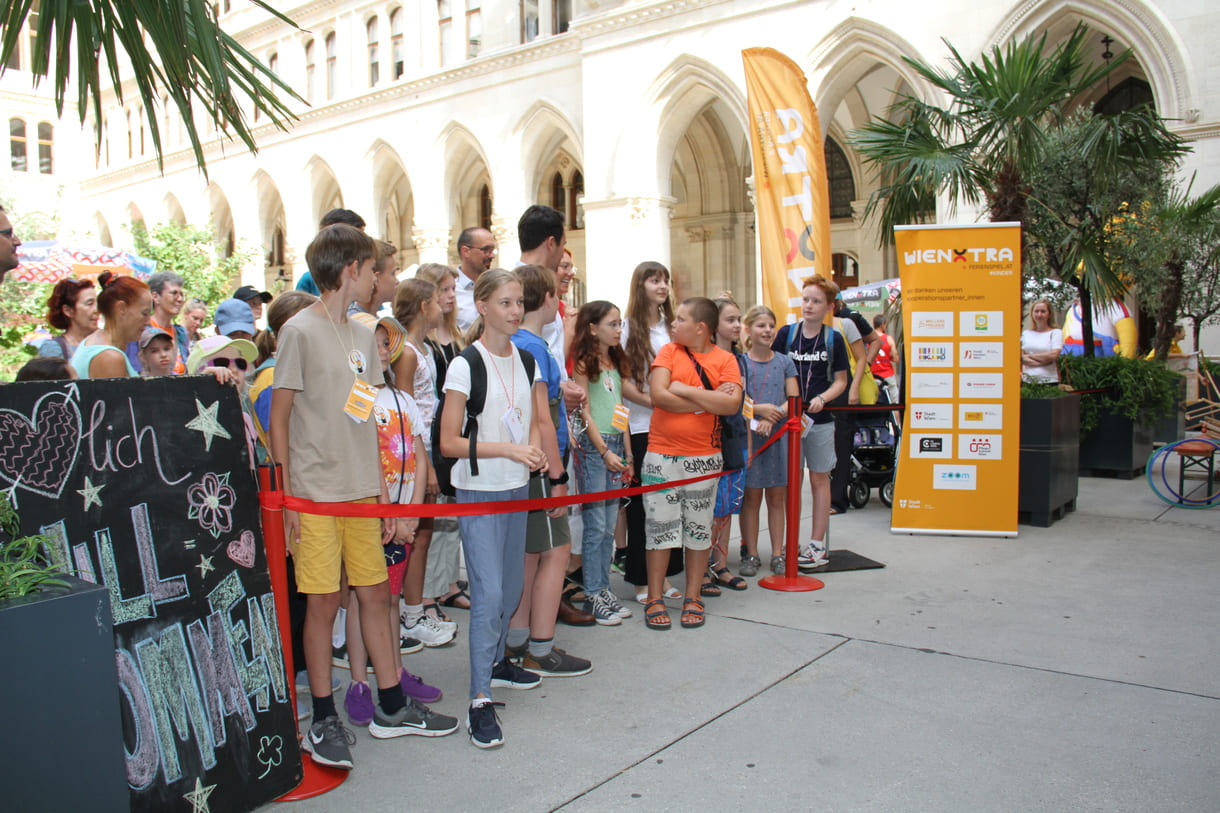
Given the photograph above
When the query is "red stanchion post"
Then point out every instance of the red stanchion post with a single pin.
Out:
(318, 779)
(791, 581)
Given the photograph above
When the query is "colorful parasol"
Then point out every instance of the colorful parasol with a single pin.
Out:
(53, 260)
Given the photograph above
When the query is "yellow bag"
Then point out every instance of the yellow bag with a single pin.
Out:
(868, 385)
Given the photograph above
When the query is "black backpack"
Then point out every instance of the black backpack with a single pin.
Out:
(474, 408)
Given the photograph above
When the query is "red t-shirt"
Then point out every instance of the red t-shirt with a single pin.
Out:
(686, 434)
(883, 364)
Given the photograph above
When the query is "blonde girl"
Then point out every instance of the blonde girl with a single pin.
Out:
(770, 381)
(730, 486)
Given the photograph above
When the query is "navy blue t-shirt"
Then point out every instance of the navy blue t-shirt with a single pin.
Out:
(809, 355)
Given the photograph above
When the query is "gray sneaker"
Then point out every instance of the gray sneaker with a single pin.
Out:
(329, 743)
(750, 565)
(601, 612)
(614, 604)
(413, 718)
(557, 663)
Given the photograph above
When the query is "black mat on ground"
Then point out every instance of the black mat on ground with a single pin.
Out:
(844, 559)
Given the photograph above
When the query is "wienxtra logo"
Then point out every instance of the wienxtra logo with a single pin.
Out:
(985, 254)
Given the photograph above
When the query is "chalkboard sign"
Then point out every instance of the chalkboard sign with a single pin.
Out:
(145, 487)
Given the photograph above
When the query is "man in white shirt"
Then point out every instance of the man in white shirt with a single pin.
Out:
(477, 251)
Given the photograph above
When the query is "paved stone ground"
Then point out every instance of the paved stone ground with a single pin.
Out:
(1072, 668)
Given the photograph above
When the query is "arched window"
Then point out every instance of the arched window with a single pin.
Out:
(1127, 95)
(374, 58)
(485, 207)
(396, 47)
(474, 28)
(46, 145)
(561, 16)
(17, 145)
(558, 198)
(310, 73)
(332, 64)
(529, 20)
(839, 179)
(576, 191)
(444, 28)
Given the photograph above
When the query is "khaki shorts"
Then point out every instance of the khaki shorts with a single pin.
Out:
(329, 544)
(679, 517)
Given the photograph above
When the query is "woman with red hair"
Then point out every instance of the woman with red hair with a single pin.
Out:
(72, 308)
(127, 306)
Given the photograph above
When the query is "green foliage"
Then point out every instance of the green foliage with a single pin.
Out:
(23, 566)
(194, 253)
(1037, 389)
(23, 307)
(175, 49)
(1143, 390)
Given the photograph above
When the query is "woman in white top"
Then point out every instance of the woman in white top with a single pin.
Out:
(1041, 345)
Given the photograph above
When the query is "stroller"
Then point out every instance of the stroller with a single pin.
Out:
(874, 452)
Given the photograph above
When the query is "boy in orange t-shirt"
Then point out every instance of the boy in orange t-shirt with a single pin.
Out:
(684, 442)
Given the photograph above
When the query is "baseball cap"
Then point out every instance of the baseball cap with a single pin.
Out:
(247, 292)
(398, 336)
(151, 333)
(234, 314)
(205, 348)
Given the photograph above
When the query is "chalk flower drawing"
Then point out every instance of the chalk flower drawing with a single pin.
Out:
(211, 502)
(270, 752)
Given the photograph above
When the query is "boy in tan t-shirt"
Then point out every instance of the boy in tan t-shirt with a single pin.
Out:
(326, 374)
(684, 442)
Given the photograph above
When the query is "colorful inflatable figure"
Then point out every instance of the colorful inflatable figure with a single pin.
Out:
(1113, 330)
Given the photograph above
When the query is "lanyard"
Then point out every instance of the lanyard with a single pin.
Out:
(509, 394)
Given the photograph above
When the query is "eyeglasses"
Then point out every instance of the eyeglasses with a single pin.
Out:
(239, 363)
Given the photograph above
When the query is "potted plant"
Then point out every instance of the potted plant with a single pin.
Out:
(1050, 453)
(1121, 400)
(58, 635)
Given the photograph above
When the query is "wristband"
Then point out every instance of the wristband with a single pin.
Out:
(561, 480)
(605, 453)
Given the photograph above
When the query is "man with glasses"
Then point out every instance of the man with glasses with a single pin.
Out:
(168, 298)
(477, 250)
(8, 245)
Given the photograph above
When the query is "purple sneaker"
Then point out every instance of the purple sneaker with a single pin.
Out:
(413, 687)
(359, 704)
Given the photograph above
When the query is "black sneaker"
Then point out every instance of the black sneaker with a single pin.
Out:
(508, 675)
(412, 718)
(557, 663)
(329, 743)
(484, 726)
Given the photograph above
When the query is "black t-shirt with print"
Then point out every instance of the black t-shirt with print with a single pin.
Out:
(809, 355)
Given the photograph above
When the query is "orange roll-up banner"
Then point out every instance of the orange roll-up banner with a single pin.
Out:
(790, 195)
(961, 316)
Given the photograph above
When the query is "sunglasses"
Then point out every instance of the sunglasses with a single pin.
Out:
(239, 363)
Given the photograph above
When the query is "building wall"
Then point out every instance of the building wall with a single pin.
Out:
(645, 100)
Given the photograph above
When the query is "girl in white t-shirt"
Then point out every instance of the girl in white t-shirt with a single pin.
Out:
(508, 447)
(1041, 345)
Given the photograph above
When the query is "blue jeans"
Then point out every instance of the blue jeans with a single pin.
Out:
(495, 566)
(597, 541)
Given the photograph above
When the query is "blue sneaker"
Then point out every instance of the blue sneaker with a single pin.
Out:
(484, 726)
(508, 675)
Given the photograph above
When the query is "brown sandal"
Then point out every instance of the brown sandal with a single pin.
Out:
(696, 614)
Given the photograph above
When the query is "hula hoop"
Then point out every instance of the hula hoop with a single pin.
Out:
(1177, 500)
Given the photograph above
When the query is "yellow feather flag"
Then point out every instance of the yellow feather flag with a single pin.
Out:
(790, 192)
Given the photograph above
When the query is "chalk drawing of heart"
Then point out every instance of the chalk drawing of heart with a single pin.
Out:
(38, 453)
(241, 550)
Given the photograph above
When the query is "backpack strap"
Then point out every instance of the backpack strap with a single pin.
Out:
(474, 402)
(828, 338)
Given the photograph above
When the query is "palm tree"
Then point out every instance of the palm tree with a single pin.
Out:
(993, 135)
(199, 67)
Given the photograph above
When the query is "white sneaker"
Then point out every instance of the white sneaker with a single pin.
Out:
(811, 558)
(451, 626)
(428, 631)
(614, 604)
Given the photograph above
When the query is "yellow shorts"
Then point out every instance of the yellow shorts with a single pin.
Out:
(329, 544)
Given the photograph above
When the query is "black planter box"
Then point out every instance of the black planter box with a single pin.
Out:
(1172, 427)
(1116, 447)
(1050, 454)
(63, 747)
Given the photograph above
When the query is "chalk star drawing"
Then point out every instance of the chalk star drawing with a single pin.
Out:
(206, 424)
(90, 492)
(205, 564)
(199, 796)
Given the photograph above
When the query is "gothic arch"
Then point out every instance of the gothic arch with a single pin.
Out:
(327, 194)
(394, 215)
(849, 53)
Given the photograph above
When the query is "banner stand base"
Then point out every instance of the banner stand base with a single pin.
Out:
(791, 584)
(318, 780)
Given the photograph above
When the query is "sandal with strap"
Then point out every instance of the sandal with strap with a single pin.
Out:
(697, 614)
(733, 582)
(709, 589)
(656, 619)
(460, 600)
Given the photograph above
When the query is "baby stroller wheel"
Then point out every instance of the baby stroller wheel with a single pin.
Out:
(887, 493)
(858, 493)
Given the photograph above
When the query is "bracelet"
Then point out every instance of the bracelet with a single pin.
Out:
(561, 480)
(605, 453)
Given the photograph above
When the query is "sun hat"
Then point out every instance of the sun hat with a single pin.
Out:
(205, 349)
(398, 336)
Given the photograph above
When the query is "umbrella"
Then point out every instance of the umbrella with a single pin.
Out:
(53, 260)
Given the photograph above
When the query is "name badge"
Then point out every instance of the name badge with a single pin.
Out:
(619, 420)
(806, 424)
(512, 422)
(747, 408)
(360, 401)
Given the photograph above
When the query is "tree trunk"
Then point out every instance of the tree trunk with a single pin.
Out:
(1167, 307)
(1086, 321)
